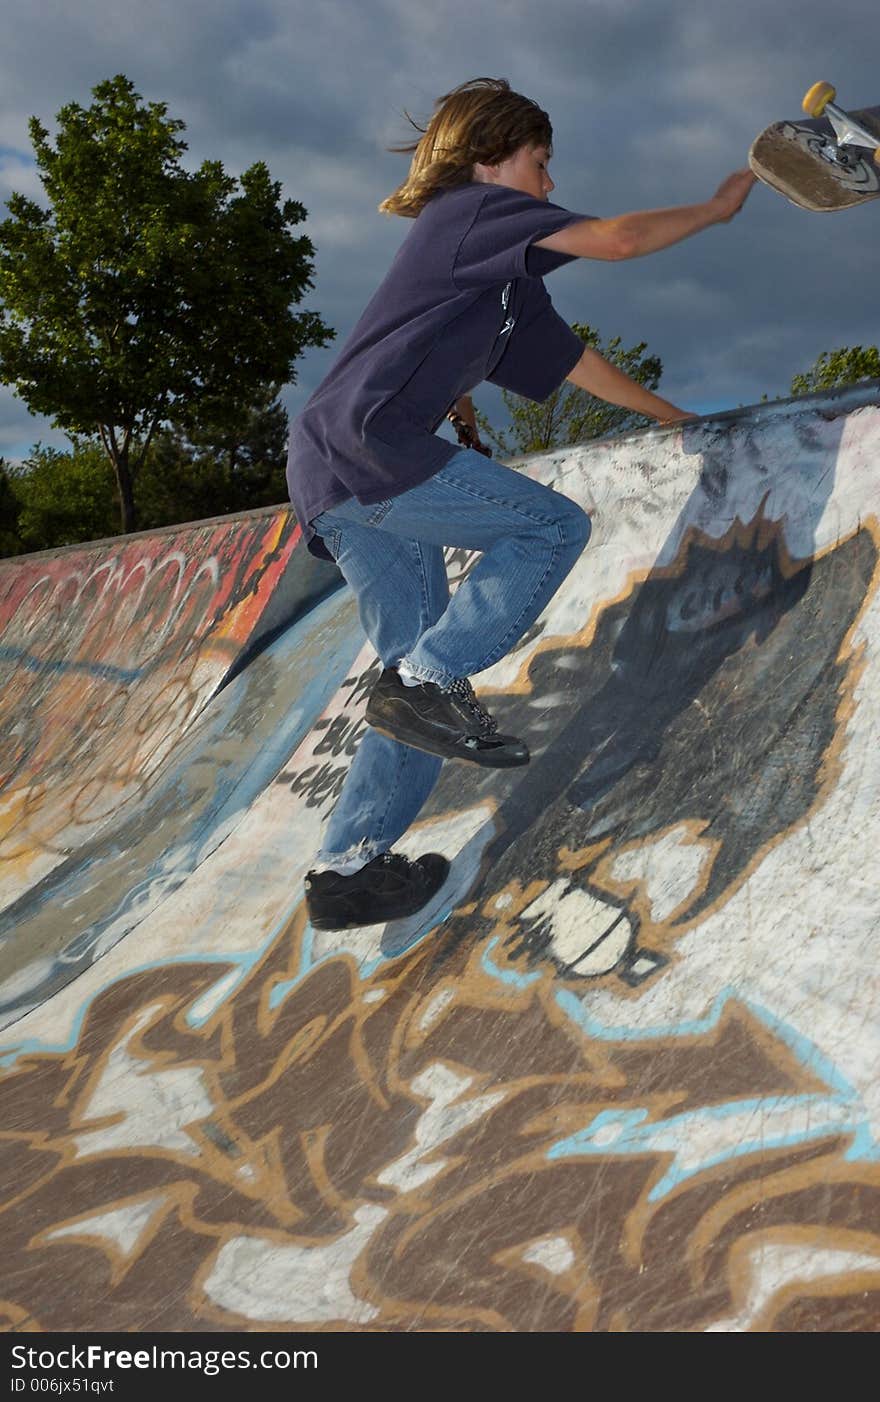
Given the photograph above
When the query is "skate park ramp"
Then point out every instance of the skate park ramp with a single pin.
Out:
(622, 1074)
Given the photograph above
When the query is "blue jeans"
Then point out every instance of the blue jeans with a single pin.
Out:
(391, 553)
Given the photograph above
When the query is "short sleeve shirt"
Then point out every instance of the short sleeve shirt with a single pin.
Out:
(463, 302)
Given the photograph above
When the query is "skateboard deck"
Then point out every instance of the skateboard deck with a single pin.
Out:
(827, 160)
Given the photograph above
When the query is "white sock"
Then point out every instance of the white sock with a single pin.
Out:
(406, 675)
(343, 867)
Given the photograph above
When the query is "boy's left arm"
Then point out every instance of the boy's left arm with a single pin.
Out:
(600, 378)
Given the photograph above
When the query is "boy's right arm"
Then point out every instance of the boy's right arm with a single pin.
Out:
(647, 231)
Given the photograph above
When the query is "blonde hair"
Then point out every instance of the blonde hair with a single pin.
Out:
(482, 121)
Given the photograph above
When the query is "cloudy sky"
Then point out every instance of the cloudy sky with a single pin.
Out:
(653, 102)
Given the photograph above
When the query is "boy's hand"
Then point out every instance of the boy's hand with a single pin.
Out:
(467, 436)
(732, 194)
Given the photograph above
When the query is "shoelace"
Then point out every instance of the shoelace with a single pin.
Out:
(396, 860)
(465, 692)
(402, 867)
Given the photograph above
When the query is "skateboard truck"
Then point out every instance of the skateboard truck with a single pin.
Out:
(829, 160)
(819, 102)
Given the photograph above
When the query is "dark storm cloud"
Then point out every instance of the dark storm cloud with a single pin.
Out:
(652, 102)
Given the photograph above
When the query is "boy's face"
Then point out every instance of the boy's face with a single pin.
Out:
(525, 170)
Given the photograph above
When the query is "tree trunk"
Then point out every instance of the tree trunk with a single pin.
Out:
(118, 455)
(127, 509)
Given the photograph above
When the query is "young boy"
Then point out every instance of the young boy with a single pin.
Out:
(379, 492)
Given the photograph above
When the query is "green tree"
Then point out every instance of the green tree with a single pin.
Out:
(213, 473)
(63, 497)
(145, 294)
(58, 497)
(571, 415)
(254, 450)
(839, 367)
(11, 542)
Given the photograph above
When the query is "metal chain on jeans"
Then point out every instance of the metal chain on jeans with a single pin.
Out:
(465, 692)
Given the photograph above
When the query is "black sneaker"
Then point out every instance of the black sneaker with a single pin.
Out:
(448, 722)
(387, 888)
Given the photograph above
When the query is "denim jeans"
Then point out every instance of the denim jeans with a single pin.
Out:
(391, 553)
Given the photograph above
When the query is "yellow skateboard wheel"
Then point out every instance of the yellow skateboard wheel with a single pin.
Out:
(817, 99)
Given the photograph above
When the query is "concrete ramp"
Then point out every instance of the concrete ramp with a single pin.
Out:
(623, 1075)
(109, 656)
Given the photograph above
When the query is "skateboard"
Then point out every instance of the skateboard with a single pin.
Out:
(829, 161)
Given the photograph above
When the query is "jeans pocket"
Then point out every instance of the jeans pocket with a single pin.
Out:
(380, 511)
(332, 539)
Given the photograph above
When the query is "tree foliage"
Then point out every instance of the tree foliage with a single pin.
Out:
(144, 294)
(11, 542)
(58, 497)
(571, 415)
(845, 366)
(211, 473)
(61, 497)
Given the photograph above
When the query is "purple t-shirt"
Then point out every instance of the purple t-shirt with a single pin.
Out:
(463, 302)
